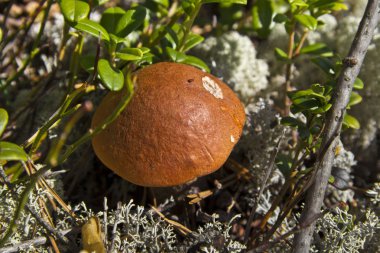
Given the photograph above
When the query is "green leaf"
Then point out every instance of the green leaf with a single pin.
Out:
(266, 12)
(3, 120)
(116, 39)
(290, 121)
(87, 62)
(92, 28)
(120, 22)
(284, 164)
(317, 88)
(194, 61)
(11, 152)
(308, 21)
(298, 94)
(133, 19)
(298, 3)
(158, 7)
(188, 7)
(111, 20)
(322, 109)
(172, 35)
(358, 84)
(328, 5)
(146, 59)
(74, 10)
(307, 103)
(130, 54)
(191, 41)
(281, 55)
(305, 94)
(280, 18)
(100, 2)
(1, 35)
(325, 64)
(225, 1)
(262, 13)
(144, 50)
(355, 98)
(304, 104)
(112, 78)
(351, 121)
(317, 49)
(174, 55)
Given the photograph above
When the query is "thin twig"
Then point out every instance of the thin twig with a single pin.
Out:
(263, 186)
(350, 71)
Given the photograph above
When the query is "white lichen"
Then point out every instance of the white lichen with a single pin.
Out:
(233, 58)
(261, 134)
(339, 232)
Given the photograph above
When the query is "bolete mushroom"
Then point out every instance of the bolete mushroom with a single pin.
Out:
(181, 123)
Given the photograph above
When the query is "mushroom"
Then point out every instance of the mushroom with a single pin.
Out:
(181, 123)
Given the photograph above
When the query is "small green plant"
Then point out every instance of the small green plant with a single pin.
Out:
(9, 151)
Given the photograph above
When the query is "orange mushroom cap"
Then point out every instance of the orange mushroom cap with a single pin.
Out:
(181, 123)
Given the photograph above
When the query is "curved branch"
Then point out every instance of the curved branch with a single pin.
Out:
(352, 64)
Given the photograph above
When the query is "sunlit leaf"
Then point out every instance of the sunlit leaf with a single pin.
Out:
(317, 88)
(174, 55)
(280, 54)
(92, 28)
(355, 98)
(11, 152)
(112, 78)
(225, 1)
(196, 62)
(74, 10)
(358, 84)
(308, 21)
(111, 20)
(317, 49)
(351, 121)
(100, 2)
(191, 41)
(3, 120)
(133, 19)
(130, 54)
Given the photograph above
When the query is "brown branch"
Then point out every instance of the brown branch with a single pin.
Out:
(350, 71)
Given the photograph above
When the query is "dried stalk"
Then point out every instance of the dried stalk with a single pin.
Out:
(352, 64)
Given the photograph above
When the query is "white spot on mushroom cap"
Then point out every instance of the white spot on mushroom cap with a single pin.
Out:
(232, 139)
(212, 87)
